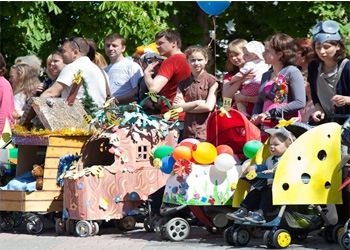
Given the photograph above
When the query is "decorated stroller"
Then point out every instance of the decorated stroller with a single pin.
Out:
(308, 173)
(205, 175)
(114, 177)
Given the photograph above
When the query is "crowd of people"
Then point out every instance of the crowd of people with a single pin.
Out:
(282, 77)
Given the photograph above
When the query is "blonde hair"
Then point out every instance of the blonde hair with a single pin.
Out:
(236, 46)
(48, 62)
(28, 79)
(100, 60)
(32, 60)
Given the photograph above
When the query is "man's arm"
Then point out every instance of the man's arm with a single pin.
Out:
(130, 97)
(54, 91)
(154, 84)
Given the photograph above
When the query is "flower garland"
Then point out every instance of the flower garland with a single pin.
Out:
(23, 131)
(281, 89)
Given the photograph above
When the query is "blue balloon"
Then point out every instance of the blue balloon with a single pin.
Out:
(213, 8)
(134, 196)
(167, 164)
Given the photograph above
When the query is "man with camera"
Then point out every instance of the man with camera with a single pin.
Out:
(172, 70)
(124, 74)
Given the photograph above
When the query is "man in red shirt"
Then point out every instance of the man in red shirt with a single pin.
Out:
(172, 70)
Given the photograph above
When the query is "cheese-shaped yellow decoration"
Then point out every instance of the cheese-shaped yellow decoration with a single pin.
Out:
(308, 172)
(243, 186)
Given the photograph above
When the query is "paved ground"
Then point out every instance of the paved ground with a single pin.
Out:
(111, 238)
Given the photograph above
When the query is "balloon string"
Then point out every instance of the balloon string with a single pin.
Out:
(214, 39)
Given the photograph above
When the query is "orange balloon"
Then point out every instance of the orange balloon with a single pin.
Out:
(182, 153)
(224, 149)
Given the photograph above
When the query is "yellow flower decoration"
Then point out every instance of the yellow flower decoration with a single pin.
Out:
(285, 123)
(157, 163)
(78, 77)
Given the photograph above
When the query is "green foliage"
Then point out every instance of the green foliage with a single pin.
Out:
(24, 27)
(338, 11)
(40, 27)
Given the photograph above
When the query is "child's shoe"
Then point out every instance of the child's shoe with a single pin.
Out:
(240, 214)
(255, 217)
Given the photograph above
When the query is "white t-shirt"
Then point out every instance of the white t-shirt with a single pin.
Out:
(259, 67)
(92, 75)
(123, 76)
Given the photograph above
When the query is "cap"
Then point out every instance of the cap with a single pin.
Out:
(281, 130)
(255, 47)
(326, 31)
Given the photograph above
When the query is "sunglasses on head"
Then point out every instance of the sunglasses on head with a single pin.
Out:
(71, 40)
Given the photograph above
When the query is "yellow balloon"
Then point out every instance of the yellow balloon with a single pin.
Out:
(205, 153)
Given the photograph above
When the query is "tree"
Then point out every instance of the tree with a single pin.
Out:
(40, 27)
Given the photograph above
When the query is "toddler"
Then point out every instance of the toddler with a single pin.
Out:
(260, 197)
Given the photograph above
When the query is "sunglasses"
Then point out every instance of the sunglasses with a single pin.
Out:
(71, 40)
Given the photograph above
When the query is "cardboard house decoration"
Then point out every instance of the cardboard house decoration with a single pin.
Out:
(53, 114)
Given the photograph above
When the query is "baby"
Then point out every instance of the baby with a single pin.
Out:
(254, 64)
(259, 200)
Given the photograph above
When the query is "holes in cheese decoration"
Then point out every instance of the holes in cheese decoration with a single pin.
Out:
(308, 172)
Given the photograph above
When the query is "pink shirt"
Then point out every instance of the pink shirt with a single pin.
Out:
(7, 105)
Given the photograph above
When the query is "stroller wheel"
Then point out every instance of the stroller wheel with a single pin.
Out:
(241, 236)
(6, 223)
(34, 224)
(147, 224)
(95, 228)
(344, 240)
(159, 228)
(177, 229)
(59, 226)
(228, 235)
(337, 232)
(127, 223)
(83, 228)
(268, 239)
(281, 238)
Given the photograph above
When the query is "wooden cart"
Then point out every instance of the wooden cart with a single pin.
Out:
(54, 115)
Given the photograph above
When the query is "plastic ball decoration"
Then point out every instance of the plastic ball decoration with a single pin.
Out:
(182, 153)
(189, 142)
(162, 151)
(205, 153)
(213, 8)
(224, 149)
(224, 162)
(134, 196)
(167, 164)
(250, 148)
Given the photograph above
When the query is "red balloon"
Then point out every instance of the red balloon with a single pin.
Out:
(187, 144)
(224, 149)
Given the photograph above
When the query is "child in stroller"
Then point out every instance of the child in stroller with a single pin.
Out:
(298, 183)
(260, 197)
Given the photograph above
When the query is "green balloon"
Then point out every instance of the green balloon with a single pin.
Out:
(250, 148)
(163, 151)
